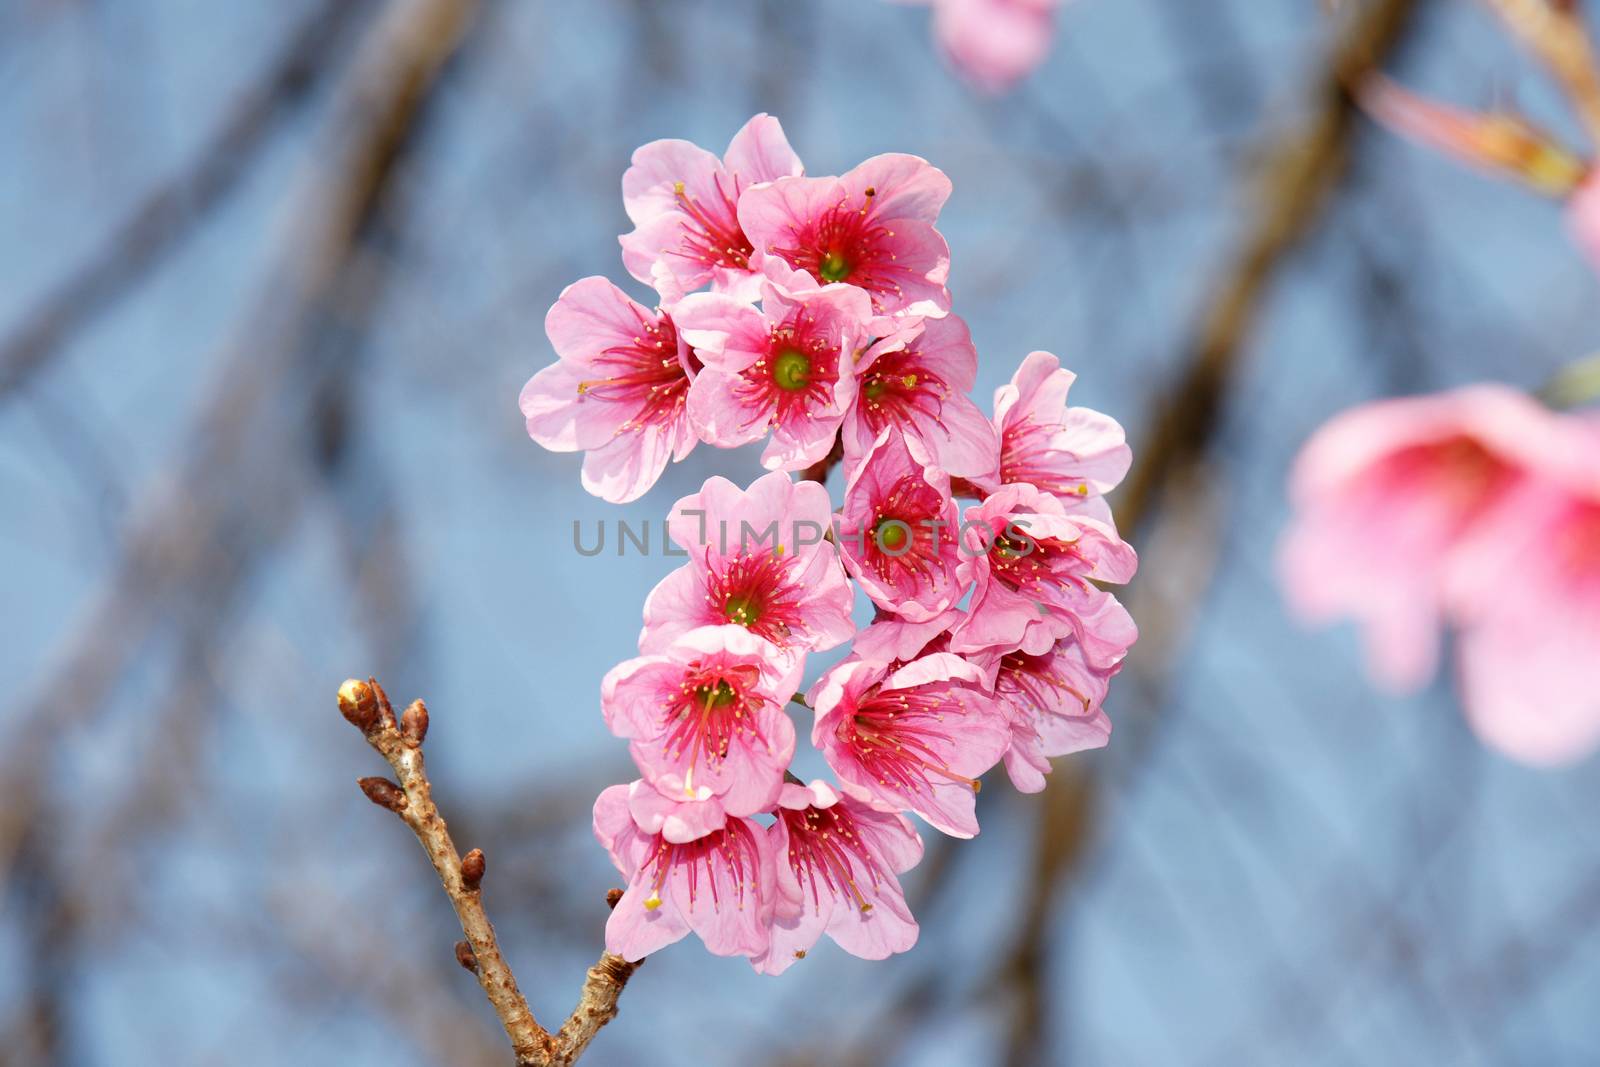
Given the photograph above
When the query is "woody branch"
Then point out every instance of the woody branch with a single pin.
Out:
(410, 796)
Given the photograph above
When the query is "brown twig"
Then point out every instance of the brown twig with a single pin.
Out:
(400, 743)
(1556, 33)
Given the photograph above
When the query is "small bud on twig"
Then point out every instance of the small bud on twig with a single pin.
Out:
(384, 793)
(473, 864)
(414, 723)
(385, 709)
(466, 957)
(358, 704)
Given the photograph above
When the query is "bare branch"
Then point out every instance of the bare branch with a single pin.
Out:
(365, 705)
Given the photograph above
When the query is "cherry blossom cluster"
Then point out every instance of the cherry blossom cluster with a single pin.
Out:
(993, 43)
(812, 313)
(1479, 508)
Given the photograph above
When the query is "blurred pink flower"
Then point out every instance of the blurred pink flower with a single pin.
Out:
(994, 43)
(706, 717)
(757, 558)
(718, 885)
(1583, 215)
(684, 201)
(917, 738)
(619, 390)
(837, 866)
(916, 381)
(872, 228)
(1071, 453)
(1528, 646)
(1053, 702)
(786, 368)
(898, 531)
(1035, 568)
(1384, 495)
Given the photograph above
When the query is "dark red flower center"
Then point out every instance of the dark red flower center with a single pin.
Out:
(757, 591)
(907, 533)
(827, 853)
(712, 707)
(895, 735)
(797, 375)
(712, 236)
(644, 374)
(898, 390)
(846, 243)
(724, 864)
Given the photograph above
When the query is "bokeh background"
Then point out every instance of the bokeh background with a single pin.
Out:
(271, 276)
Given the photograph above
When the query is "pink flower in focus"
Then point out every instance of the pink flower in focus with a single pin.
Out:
(1070, 453)
(786, 368)
(1033, 567)
(995, 43)
(757, 559)
(718, 885)
(1385, 494)
(837, 866)
(917, 738)
(706, 716)
(898, 531)
(1583, 217)
(1053, 703)
(915, 381)
(619, 390)
(872, 228)
(683, 202)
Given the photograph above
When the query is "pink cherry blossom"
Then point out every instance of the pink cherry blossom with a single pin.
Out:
(1384, 496)
(995, 43)
(757, 559)
(619, 390)
(872, 228)
(787, 368)
(917, 738)
(1527, 646)
(1034, 570)
(706, 716)
(718, 885)
(1583, 217)
(683, 202)
(915, 381)
(1053, 702)
(1071, 453)
(898, 531)
(837, 866)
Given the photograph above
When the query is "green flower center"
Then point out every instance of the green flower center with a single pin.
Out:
(792, 370)
(834, 267)
(744, 610)
(890, 534)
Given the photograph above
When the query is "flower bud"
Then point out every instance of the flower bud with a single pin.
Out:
(384, 793)
(414, 723)
(358, 704)
(473, 865)
(466, 957)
